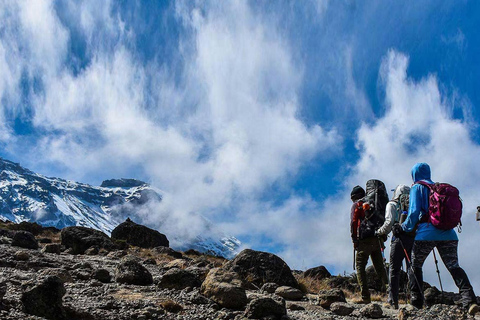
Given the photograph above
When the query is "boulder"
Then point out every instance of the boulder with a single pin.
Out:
(289, 293)
(371, 310)
(327, 297)
(22, 255)
(225, 288)
(130, 271)
(341, 308)
(80, 239)
(24, 239)
(265, 307)
(434, 296)
(102, 275)
(52, 248)
(317, 273)
(261, 267)
(45, 299)
(179, 279)
(138, 235)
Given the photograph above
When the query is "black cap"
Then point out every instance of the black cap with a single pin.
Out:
(357, 193)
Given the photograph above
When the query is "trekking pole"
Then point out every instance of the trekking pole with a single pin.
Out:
(411, 268)
(354, 258)
(438, 271)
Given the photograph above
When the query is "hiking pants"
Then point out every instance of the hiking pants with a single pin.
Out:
(369, 247)
(397, 255)
(449, 255)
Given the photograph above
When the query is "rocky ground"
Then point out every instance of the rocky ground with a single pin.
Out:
(81, 274)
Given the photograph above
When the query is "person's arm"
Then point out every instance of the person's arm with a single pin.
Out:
(415, 208)
(390, 212)
(353, 222)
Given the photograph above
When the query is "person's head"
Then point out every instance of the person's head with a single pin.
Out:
(357, 193)
(421, 171)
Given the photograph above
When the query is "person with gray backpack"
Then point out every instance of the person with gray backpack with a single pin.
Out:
(395, 212)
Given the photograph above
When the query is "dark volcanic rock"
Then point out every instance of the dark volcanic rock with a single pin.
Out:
(372, 310)
(82, 238)
(341, 308)
(122, 183)
(102, 275)
(130, 271)
(24, 239)
(289, 293)
(179, 279)
(261, 267)
(265, 307)
(45, 299)
(138, 235)
(327, 297)
(52, 248)
(269, 287)
(317, 273)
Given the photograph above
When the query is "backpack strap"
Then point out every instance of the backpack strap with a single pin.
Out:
(426, 218)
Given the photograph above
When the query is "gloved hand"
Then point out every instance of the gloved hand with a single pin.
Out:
(397, 230)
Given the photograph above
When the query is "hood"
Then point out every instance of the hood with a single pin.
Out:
(421, 171)
(399, 190)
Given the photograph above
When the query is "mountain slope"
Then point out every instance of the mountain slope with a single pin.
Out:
(28, 196)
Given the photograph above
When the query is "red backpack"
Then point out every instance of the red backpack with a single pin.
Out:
(445, 205)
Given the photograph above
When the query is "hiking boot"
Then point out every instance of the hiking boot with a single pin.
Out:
(474, 308)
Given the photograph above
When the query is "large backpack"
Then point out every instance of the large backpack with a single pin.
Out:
(445, 205)
(377, 197)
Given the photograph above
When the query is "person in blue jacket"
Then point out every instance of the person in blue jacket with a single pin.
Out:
(427, 238)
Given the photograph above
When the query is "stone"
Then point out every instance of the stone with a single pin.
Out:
(317, 273)
(45, 299)
(341, 308)
(177, 263)
(225, 288)
(62, 274)
(52, 248)
(372, 310)
(167, 251)
(139, 235)
(130, 271)
(259, 267)
(24, 239)
(22, 255)
(150, 261)
(102, 275)
(327, 297)
(265, 307)
(289, 293)
(179, 279)
(92, 251)
(82, 238)
(269, 287)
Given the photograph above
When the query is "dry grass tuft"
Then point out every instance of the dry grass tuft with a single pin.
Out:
(310, 285)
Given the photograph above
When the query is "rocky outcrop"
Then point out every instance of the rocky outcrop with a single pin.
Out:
(168, 251)
(259, 268)
(79, 239)
(24, 239)
(317, 273)
(130, 271)
(138, 235)
(45, 299)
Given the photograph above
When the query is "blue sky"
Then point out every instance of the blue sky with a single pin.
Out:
(258, 115)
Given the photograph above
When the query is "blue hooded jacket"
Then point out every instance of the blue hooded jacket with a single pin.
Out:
(419, 207)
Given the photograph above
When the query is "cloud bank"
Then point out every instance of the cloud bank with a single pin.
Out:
(216, 120)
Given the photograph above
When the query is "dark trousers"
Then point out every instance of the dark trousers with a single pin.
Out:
(397, 255)
(448, 253)
(369, 247)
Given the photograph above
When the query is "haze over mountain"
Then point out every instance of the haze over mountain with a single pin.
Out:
(29, 196)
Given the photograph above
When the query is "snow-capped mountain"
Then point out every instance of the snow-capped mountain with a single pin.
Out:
(28, 196)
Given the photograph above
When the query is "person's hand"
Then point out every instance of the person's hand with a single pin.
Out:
(397, 230)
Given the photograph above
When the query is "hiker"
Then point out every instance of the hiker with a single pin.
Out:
(427, 238)
(365, 242)
(395, 210)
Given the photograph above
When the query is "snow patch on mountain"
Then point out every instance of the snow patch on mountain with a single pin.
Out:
(28, 196)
